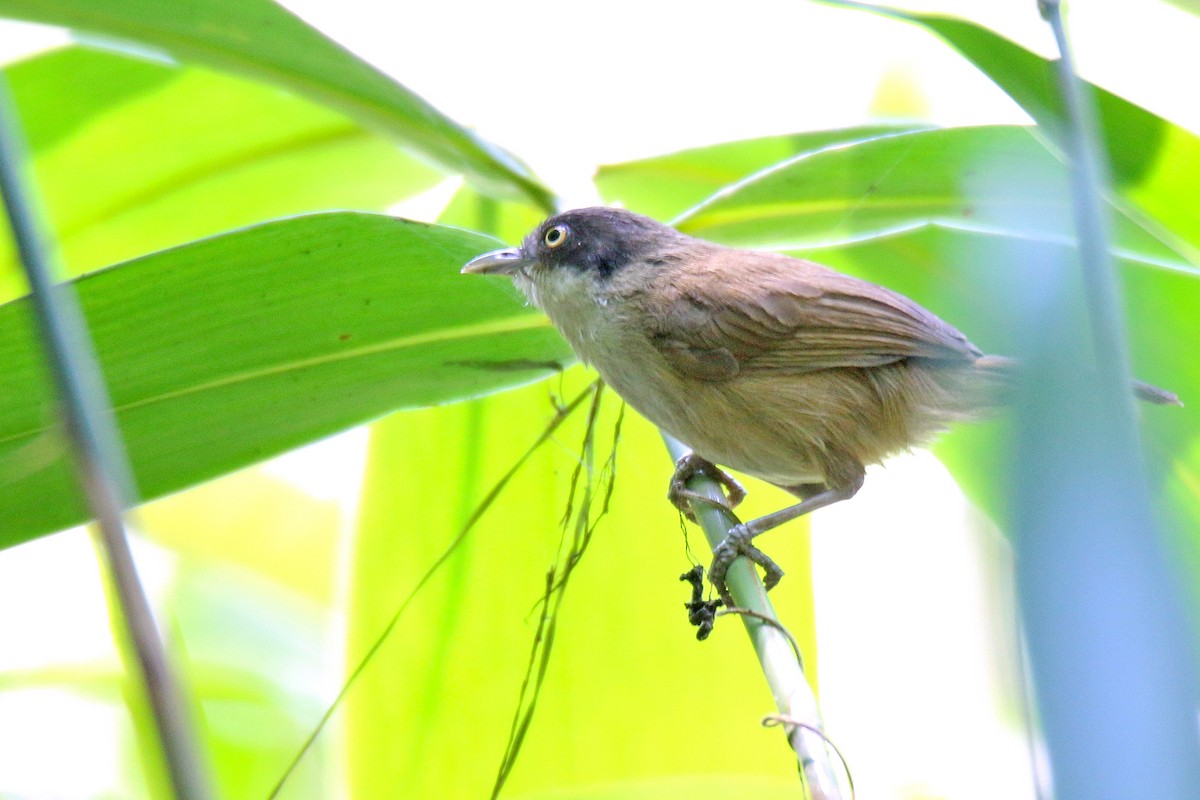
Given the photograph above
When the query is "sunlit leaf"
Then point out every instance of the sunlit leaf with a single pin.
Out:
(906, 181)
(134, 156)
(665, 186)
(1155, 163)
(1192, 6)
(627, 684)
(223, 352)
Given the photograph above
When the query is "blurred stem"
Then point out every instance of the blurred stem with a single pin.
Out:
(98, 453)
(1110, 645)
(784, 673)
(1089, 182)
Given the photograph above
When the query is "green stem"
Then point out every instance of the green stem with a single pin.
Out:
(784, 673)
(100, 459)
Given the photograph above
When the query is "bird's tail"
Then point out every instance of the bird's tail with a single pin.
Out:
(1152, 394)
(1005, 367)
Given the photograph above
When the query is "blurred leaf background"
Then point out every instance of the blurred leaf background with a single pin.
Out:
(216, 172)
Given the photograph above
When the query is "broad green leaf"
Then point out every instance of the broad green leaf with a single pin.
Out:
(54, 108)
(223, 352)
(1187, 5)
(163, 155)
(908, 180)
(260, 39)
(629, 693)
(665, 186)
(1155, 164)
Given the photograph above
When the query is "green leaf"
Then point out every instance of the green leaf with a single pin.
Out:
(665, 186)
(54, 108)
(1192, 6)
(625, 669)
(223, 352)
(167, 155)
(908, 180)
(260, 39)
(1154, 163)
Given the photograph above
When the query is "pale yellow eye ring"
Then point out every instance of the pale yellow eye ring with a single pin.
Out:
(555, 236)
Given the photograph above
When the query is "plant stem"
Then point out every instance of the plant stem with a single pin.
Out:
(784, 673)
(1089, 183)
(1109, 638)
(100, 460)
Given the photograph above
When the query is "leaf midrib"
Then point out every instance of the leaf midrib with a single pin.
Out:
(523, 322)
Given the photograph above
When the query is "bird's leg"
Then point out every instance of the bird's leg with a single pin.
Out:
(739, 540)
(692, 464)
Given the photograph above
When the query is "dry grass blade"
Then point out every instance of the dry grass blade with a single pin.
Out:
(580, 522)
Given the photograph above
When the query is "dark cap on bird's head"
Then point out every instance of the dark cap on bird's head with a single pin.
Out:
(597, 240)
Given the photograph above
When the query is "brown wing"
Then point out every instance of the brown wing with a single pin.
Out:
(789, 315)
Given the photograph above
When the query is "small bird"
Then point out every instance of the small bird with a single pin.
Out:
(774, 366)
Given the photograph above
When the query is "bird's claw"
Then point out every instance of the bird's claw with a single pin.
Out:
(739, 542)
(681, 496)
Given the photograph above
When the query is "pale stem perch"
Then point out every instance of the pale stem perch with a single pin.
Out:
(794, 698)
(100, 460)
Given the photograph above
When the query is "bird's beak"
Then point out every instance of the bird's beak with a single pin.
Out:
(497, 262)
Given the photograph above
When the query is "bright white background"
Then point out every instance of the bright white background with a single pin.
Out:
(568, 86)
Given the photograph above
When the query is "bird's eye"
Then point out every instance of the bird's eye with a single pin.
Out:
(555, 236)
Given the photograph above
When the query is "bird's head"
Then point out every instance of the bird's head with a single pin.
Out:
(578, 252)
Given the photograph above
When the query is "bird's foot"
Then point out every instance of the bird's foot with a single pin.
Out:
(681, 496)
(739, 542)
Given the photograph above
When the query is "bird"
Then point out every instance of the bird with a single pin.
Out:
(773, 366)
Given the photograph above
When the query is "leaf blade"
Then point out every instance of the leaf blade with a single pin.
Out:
(164, 155)
(665, 186)
(228, 350)
(904, 181)
(1154, 163)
